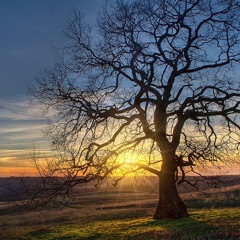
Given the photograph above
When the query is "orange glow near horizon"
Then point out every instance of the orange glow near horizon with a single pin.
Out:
(14, 167)
(28, 171)
(17, 163)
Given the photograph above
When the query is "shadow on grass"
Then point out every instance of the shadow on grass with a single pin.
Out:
(188, 228)
(205, 224)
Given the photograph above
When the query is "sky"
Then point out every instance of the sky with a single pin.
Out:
(31, 30)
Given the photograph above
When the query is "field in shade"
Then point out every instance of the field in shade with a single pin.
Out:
(125, 212)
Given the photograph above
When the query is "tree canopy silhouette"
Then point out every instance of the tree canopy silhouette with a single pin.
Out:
(156, 80)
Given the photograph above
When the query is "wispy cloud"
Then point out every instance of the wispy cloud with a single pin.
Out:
(21, 132)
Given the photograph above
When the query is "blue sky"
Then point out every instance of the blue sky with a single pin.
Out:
(30, 32)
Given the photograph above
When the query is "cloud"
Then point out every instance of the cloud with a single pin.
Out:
(21, 132)
(20, 123)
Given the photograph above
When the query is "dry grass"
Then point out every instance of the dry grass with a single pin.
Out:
(126, 213)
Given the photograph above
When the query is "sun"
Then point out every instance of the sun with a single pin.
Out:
(128, 160)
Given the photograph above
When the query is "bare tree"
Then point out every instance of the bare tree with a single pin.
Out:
(154, 80)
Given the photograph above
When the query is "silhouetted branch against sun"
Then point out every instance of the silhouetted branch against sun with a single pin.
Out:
(158, 79)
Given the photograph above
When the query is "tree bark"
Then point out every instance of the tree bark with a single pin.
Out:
(170, 204)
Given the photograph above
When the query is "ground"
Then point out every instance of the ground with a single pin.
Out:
(125, 212)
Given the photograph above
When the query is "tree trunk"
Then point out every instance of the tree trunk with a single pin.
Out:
(170, 204)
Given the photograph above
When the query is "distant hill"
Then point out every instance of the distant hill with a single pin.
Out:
(11, 187)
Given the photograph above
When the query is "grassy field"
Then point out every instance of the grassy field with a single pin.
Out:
(127, 214)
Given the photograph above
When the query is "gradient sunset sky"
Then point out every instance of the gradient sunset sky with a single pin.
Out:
(30, 32)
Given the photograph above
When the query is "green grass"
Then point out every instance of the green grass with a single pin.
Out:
(201, 224)
(127, 215)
